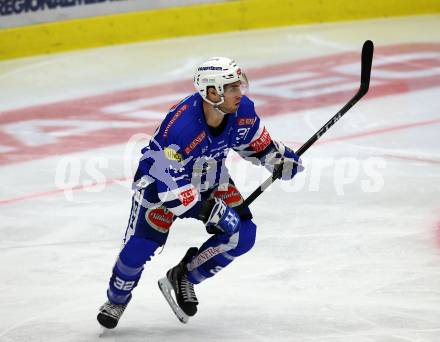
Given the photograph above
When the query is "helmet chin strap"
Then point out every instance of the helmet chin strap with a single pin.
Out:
(216, 105)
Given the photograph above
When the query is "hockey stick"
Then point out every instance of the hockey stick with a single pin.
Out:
(367, 59)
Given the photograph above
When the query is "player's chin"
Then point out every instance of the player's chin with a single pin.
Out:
(232, 108)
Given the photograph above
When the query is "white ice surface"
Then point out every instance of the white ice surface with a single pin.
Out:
(332, 262)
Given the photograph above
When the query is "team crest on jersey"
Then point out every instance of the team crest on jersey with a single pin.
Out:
(171, 154)
(160, 219)
(231, 196)
(262, 142)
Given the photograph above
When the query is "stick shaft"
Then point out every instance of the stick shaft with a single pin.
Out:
(367, 58)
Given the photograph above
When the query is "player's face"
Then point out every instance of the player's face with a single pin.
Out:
(233, 93)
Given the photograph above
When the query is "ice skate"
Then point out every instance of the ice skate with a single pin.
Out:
(184, 303)
(109, 314)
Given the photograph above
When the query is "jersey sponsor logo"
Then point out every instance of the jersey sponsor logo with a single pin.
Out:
(245, 121)
(231, 196)
(262, 142)
(197, 140)
(173, 119)
(160, 219)
(204, 256)
(188, 196)
(171, 154)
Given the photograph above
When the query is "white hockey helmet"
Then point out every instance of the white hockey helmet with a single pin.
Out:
(218, 72)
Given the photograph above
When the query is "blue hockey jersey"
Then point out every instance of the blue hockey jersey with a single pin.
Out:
(186, 158)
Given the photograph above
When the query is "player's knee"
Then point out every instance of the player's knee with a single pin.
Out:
(247, 236)
(137, 251)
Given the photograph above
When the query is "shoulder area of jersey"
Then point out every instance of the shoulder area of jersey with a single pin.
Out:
(246, 103)
(246, 112)
(190, 103)
(184, 111)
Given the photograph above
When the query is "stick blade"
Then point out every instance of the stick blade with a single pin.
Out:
(367, 60)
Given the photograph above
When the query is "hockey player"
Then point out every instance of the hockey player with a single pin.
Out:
(182, 172)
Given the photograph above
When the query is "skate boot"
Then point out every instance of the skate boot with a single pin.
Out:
(109, 314)
(176, 280)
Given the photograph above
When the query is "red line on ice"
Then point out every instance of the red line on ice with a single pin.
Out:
(383, 130)
(378, 131)
(438, 233)
(295, 144)
(50, 123)
(59, 191)
(413, 158)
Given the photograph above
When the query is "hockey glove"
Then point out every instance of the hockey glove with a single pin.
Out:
(286, 158)
(222, 219)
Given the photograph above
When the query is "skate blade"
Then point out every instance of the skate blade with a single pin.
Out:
(166, 288)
